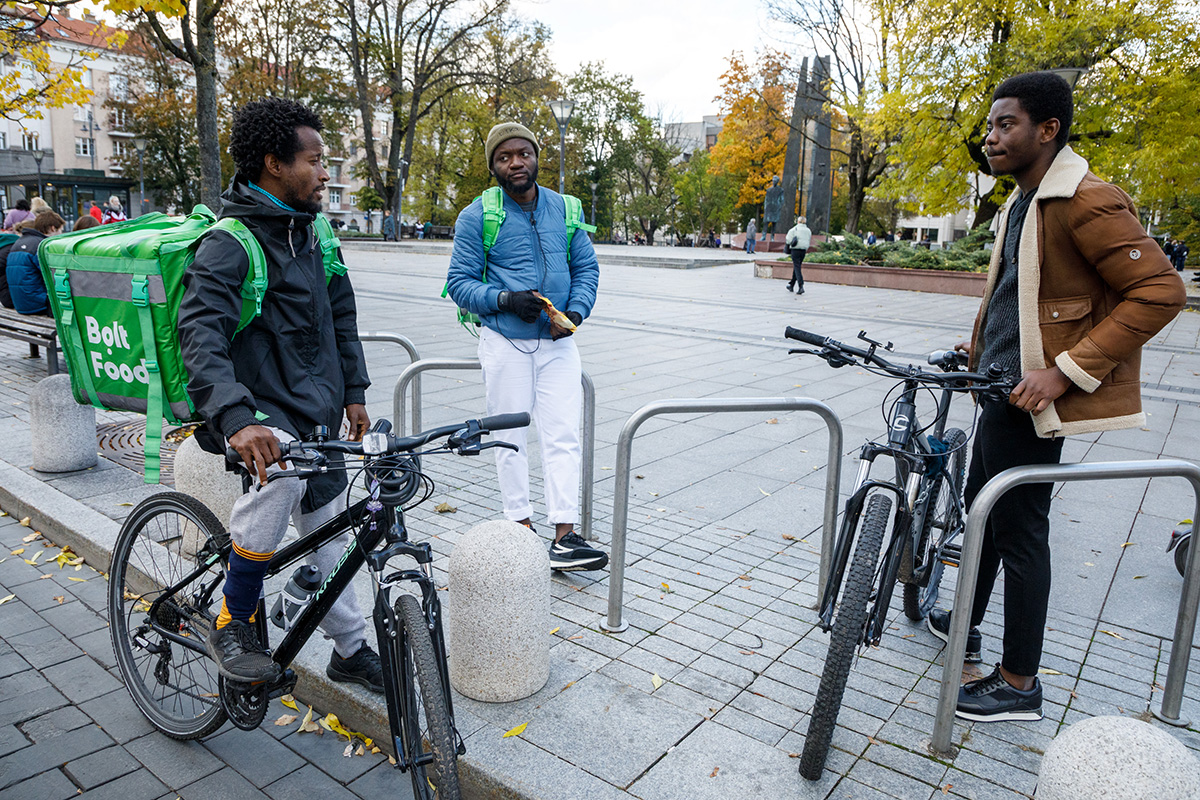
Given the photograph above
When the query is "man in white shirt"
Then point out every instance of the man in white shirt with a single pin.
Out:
(798, 239)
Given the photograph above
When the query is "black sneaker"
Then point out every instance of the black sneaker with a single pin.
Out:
(572, 554)
(362, 668)
(993, 699)
(938, 623)
(238, 654)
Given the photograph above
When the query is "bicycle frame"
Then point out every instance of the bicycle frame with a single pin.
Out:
(910, 467)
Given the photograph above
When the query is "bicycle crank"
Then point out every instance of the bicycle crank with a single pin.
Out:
(245, 703)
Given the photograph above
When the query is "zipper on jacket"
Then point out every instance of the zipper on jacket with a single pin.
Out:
(291, 227)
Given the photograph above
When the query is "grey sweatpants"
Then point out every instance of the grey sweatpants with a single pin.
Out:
(258, 523)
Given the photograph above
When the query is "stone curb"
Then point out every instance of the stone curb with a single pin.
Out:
(69, 523)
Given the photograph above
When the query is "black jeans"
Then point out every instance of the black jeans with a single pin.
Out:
(1017, 534)
(797, 275)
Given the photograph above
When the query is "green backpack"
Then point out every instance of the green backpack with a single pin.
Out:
(115, 292)
(493, 217)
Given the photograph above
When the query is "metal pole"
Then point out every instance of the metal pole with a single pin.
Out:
(968, 573)
(616, 580)
(562, 158)
(39, 171)
(587, 474)
(141, 183)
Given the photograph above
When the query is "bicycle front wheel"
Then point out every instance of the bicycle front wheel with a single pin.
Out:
(848, 629)
(940, 518)
(427, 729)
(164, 591)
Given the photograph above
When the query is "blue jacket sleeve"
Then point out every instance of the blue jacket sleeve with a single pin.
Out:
(585, 274)
(465, 277)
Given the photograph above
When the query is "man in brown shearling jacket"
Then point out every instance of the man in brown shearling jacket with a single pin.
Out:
(1075, 288)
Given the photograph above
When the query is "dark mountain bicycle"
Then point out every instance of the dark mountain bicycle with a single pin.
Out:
(168, 569)
(930, 463)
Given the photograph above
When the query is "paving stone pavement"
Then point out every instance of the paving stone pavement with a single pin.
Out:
(723, 545)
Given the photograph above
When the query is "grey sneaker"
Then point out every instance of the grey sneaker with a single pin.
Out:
(938, 623)
(572, 554)
(238, 653)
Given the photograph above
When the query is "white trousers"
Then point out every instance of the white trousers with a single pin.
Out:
(258, 523)
(542, 378)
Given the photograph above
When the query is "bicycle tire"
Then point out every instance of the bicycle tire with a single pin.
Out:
(439, 779)
(160, 543)
(1181, 555)
(920, 597)
(847, 635)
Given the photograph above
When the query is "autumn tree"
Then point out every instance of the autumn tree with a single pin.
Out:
(644, 175)
(706, 197)
(756, 102)
(24, 93)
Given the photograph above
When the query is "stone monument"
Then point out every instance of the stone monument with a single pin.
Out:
(773, 207)
(63, 432)
(499, 613)
(1117, 757)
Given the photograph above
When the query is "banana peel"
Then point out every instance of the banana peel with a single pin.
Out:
(557, 317)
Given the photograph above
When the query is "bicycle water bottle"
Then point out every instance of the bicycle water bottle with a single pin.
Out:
(295, 597)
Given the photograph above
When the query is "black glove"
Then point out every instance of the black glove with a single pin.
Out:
(527, 307)
(576, 320)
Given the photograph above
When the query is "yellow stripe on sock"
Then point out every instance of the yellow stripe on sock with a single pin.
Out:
(250, 555)
(224, 618)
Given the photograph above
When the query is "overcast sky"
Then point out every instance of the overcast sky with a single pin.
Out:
(675, 50)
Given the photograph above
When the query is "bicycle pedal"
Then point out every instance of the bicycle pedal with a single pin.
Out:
(951, 554)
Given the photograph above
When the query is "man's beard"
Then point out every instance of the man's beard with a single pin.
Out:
(519, 188)
(307, 205)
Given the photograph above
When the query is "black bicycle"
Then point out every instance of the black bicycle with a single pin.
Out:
(168, 570)
(930, 463)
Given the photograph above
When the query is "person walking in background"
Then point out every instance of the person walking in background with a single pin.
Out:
(1179, 258)
(797, 241)
(751, 232)
(19, 213)
(1075, 289)
(25, 283)
(113, 212)
(530, 362)
(389, 227)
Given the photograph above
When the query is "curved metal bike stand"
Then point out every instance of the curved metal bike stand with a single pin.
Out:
(403, 341)
(412, 375)
(968, 573)
(616, 581)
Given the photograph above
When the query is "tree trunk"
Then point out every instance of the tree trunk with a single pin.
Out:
(206, 106)
(990, 204)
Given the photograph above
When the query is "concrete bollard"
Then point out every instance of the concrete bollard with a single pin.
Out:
(1117, 757)
(499, 614)
(203, 476)
(63, 431)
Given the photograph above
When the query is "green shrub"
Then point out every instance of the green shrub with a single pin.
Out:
(965, 255)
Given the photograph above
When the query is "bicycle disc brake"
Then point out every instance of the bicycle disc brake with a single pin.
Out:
(245, 703)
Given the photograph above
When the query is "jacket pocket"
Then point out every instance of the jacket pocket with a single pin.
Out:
(1063, 322)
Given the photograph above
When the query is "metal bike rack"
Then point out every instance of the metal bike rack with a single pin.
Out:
(403, 341)
(624, 447)
(968, 573)
(412, 375)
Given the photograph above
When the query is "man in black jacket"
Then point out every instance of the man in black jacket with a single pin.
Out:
(297, 365)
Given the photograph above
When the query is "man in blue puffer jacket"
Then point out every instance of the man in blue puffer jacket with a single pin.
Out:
(530, 363)
(25, 281)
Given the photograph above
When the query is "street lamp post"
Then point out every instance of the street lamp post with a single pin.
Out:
(140, 144)
(88, 128)
(562, 110)
(595, 186)
(38, 155)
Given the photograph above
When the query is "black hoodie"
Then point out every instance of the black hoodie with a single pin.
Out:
(300, 363)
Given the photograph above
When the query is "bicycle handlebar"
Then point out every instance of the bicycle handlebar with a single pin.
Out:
(379, 441)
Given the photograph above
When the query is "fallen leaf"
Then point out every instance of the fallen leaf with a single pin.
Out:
(773, 421)
(657, 681)
(360, 751)
(349, 751)
(576, 636)
(747, 652)
(654, 494)
(556, 630)
(793, 755)
(517, 731)
(788, 537)
(124, 504)
(44, 577)
(1114, 635)
(286, 719)
(639, 477)
(392, 760)
(65, 557)
(24, 522)
(1088, 564)
(1127, 544)
(60, 599)
(713, 774)
(765, 492)
(946, 788)
(307, 725)
(77, 580)
(667, 588)
(873, 740)
(445, 508)
(375, 750)
(1137, 577)
(6, 599)
(745, 578)
(330, 722)
(1048, 671)
(35, 558)
(31, 537)
(17, 552)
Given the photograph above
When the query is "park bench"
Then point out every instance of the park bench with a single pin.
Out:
(37, 331)
(440, 232)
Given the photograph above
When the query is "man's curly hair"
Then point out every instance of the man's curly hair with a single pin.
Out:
(268, 126)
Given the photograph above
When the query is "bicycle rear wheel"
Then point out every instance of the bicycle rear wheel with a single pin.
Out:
(940, 514)
(164, 590)
(427, 729)
(848, 629)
